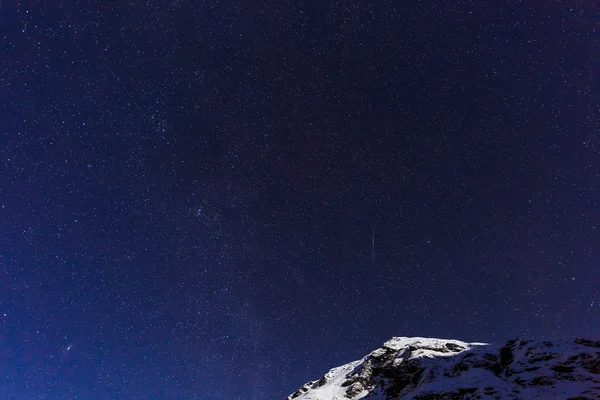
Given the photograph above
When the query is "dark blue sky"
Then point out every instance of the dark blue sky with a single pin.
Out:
(190, 190)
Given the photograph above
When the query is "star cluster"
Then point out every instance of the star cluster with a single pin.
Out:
(220, 200)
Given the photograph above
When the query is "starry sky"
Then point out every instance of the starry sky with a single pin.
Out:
(221, 200)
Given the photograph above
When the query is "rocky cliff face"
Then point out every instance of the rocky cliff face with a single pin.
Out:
(432, 369)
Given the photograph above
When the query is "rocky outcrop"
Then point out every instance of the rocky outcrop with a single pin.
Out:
(432, 369)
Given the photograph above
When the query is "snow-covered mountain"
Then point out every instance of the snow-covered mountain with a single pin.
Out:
(430, 369)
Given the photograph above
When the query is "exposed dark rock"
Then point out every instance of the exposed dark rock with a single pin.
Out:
(462, 367)
(520, 381)
(321, 382)
(531, 369)
(563, 369)
(544, 358)
(305, 388)
(409, 375)
(506, 355)
(428, 396)
(465, 391)
(592, 364)
(541, 381)
(355, 389)
(589, 343)
(454, 347)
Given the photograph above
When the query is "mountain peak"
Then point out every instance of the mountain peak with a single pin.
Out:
(429, 368)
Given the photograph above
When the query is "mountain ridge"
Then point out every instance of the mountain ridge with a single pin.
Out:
(429, 369)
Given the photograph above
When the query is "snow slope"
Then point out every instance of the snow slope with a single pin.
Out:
(427, 369)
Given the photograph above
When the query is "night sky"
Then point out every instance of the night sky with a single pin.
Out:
(222, 200)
